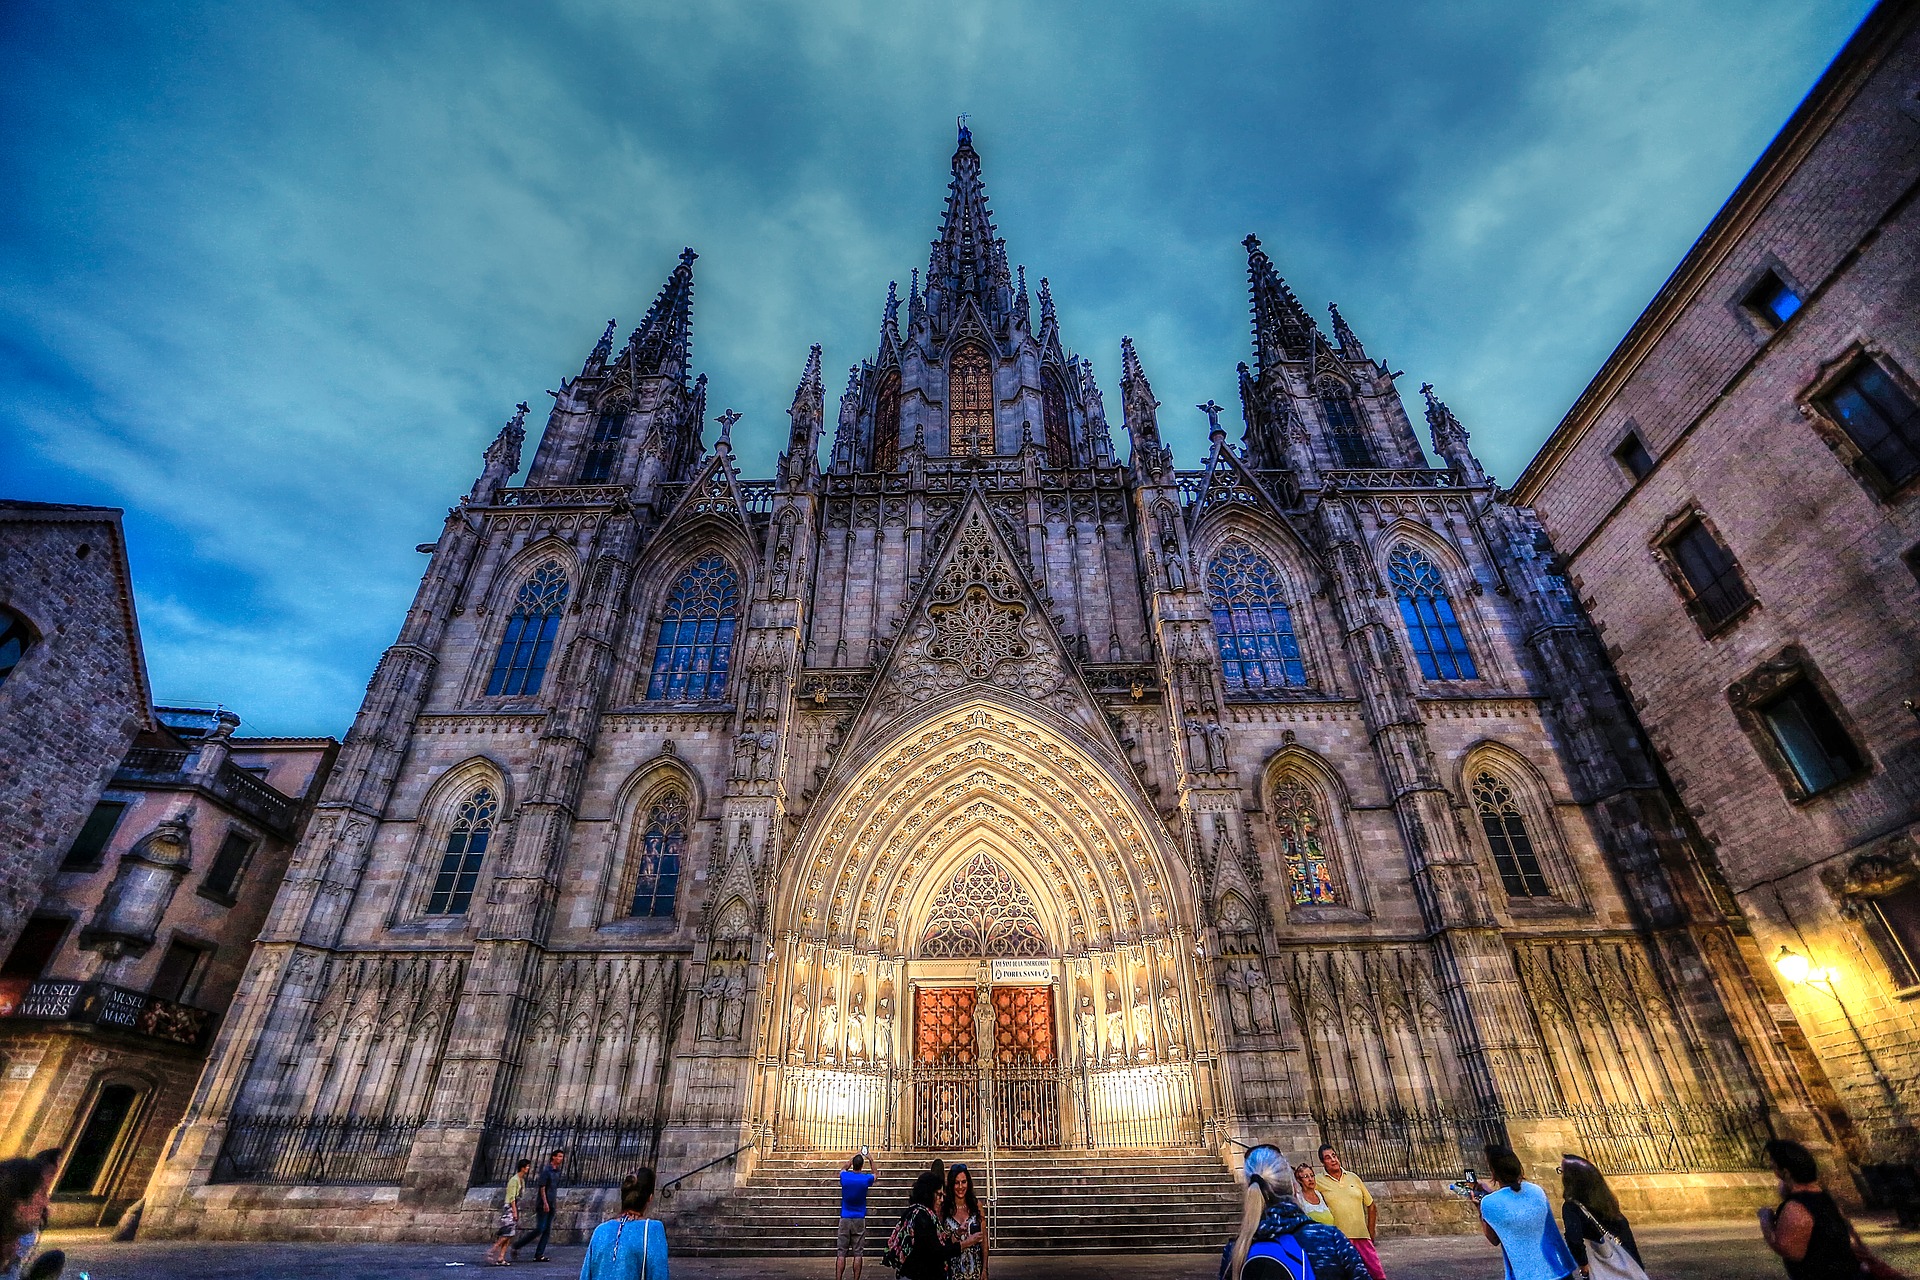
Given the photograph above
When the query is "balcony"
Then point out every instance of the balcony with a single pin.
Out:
(232, 785)
(100, 1004)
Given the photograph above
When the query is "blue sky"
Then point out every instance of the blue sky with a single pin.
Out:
(271, 276)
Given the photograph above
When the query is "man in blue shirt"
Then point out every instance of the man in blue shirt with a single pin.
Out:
(855, 1182)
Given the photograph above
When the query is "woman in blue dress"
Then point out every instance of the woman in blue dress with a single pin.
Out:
(631, 1246)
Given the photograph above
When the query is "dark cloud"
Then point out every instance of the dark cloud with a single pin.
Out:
(271, 276)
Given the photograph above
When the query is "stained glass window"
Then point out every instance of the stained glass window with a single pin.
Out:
(1432, 628)
(521, 664)
(661, 844)
(1053, 408)
(1506, 829)
(603, 448)
(969, 402)
(696, 635)
(886, 424)
(1252, 623)
(983, 911)
(1309, 868)
(1343, 427)
(465, 852)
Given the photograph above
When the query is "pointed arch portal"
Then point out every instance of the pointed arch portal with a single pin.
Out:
(990, 886)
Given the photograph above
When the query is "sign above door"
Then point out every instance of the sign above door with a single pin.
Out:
(1021, 971)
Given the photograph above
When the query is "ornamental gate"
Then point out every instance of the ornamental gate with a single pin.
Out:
(1021, 1078)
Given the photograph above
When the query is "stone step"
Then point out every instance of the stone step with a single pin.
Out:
(1044, 1202)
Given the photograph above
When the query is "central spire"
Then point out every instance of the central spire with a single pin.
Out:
(968, 259)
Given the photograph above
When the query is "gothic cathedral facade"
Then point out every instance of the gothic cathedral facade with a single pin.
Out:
(980, 787)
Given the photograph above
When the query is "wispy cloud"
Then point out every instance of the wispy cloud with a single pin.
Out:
(271, 277)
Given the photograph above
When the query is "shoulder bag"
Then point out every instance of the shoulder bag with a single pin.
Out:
(1607, 1257)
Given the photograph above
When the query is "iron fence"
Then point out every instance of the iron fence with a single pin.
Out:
(1150, 1106)
(1406, 1143)
(823, 1109)
(1026, 1104)
(600, 1150)
(1670, 1137)
(946, 1105)
(315, 1149)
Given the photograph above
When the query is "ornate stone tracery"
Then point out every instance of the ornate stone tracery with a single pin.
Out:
(983, 911)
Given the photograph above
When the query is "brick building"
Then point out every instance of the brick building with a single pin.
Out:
(73, 685)
(1737, 498)
(142, 847)
(110, 995)
(980, 788)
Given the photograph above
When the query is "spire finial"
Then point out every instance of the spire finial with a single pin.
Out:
(602, 349)
(726, 421)
(1047, 316)
(1343, 334)
(966, 134)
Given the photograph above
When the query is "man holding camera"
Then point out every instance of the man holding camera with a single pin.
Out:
(855, 1182)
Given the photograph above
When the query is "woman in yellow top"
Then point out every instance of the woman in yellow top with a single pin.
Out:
(509, 1215)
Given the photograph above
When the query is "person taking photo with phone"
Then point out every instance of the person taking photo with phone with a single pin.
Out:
(855, 1181)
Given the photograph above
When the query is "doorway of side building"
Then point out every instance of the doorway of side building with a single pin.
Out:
(98, 1152)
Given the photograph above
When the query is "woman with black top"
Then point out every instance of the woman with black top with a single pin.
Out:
(1808, 1230)
(927, 1260)
(1589, 1207)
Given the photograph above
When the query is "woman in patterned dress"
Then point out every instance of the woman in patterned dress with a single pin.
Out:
(965, 1227)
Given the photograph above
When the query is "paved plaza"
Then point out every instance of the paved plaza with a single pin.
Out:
(1696, 1251)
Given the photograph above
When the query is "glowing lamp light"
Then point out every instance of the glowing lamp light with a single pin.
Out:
(1793, 966)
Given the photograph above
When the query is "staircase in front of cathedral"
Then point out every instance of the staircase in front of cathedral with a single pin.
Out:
(1044, 1202)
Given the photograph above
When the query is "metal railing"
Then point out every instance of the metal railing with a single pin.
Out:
(1407, 1143)
(946, 1106)
(1140, 1106)
(1026, 1104)
(829, 1109)
(339, 1150)
(1669, 1137)
(600, 1150)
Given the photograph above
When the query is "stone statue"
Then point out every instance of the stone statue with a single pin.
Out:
(1116, 1026)
(829, 1027)
(1086, 1022)
(857, 1026)
(1259, 1010)
(1142, 1023)
(1170, 1017)
(883, 1027)
(1239, 1008)
(733, 1009)
(711, 994)
(799, 1025)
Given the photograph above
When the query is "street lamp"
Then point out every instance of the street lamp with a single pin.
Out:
(1794, 967)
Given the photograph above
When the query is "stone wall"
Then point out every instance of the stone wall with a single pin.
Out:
(75, 702)
(1726, 402)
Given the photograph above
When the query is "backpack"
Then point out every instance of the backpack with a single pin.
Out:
(1282, 1259)
(900, 1239)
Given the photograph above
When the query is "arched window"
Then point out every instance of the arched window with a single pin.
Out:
(1506, 829)
(1252, 623)
(1343, 427)
(521, 664)
(657, 879)
(603, 449)
(1428, 613)
(1296, 816)
(15, 640)
(696, 635)
(969, 401)
(466, 850)
(1053, 408)
(983, 911)
(886, 424)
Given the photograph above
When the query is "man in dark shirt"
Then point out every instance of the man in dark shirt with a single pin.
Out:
(546, 1190)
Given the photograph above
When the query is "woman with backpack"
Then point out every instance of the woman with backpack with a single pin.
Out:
(917, 1248)
(1276, 1237)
